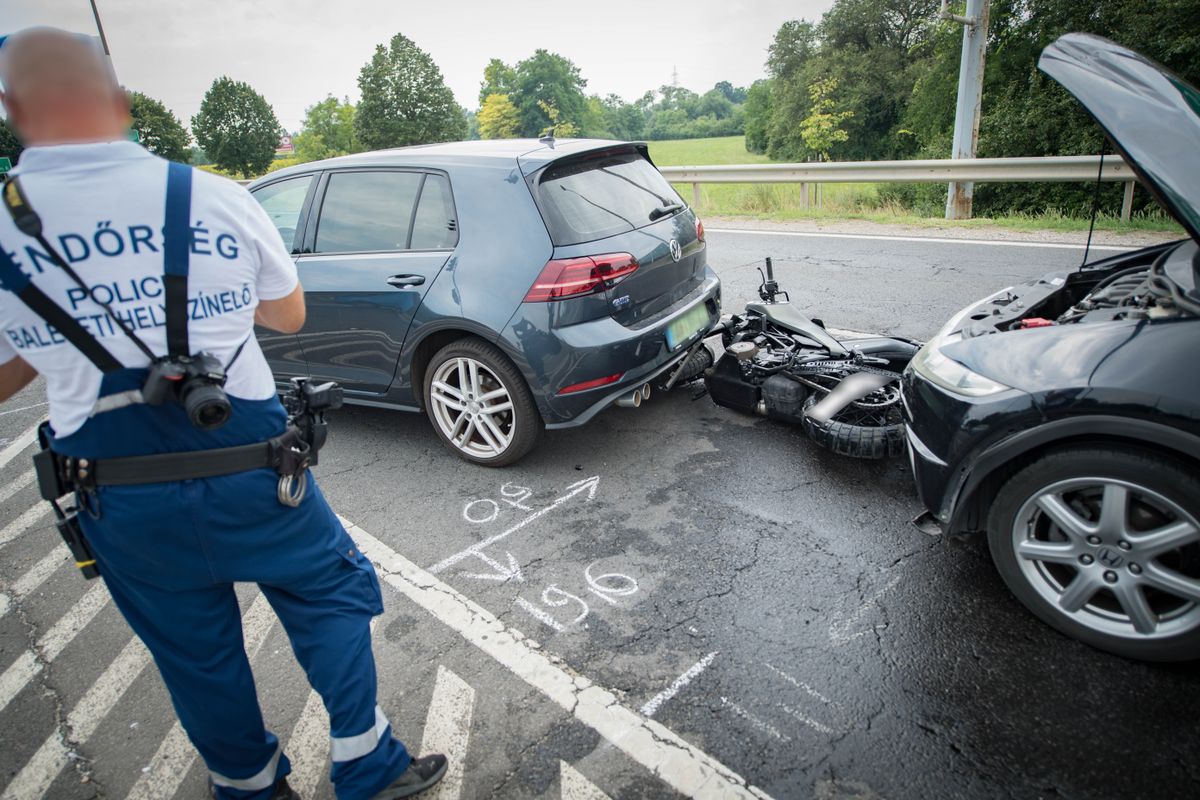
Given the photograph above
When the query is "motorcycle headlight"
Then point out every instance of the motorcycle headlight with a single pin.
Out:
(937, 368)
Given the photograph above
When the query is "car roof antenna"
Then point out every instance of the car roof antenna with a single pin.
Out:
(548, 139)
(1095, 209)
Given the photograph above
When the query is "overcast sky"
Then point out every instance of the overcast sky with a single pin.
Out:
(295, 52)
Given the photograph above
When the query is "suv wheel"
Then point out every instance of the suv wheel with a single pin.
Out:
(479, 404)
(1104, 545)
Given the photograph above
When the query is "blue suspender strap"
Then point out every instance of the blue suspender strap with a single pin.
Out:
(177, 244)
(17, 282)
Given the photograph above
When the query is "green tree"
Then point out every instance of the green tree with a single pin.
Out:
(405, 100)
(821, 129)
(758, 116)
(498, 78)
(10, 145)
(328, 130)
(498, 118)
(559, 129)
(548, 79)
(158, 129)
(237, 128)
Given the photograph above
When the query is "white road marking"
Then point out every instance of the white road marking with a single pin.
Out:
(923, 239)
(52, 643)
(171, 762)
(18, 445)
(35, 778)
(22, 480)
(23, 523)
(308, 744)
(40, 571)
(573, 786)
(761, 725)
(843, 632)
(448, 730)
(586, 485)
(680, 765)
(805, 719)
(683, 680)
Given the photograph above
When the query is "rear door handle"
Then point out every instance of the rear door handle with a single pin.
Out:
(405, 281)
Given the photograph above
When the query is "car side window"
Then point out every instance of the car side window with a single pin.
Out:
(367, 211)
(435, 226)
(283, 201)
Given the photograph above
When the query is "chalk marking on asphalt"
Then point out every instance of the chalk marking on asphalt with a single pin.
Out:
(841, 632)
(18, 445)
(52, 643)
(36, 777)
(448, 730)
(807, 720)
(683, 680)
(23, 408)
(573, 786)
(23, 523)
(33, 577)
(539, 615)
(924, 239)
(502, 573)
(308, 744)
(586, 485)
(801, 685)
(761, 725)
(682, 766)
(23, 480)
(170, 763)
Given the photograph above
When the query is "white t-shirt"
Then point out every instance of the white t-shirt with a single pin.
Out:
(102, 207)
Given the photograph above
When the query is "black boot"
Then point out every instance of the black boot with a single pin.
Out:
(421, 774)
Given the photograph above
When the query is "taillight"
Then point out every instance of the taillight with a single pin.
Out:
(592, 384)
(699, 229)
(572, 277)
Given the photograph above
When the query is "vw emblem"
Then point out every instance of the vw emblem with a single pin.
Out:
(676, 250)
(1109, 557)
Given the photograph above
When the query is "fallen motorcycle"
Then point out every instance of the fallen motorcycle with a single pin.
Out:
(780, 364)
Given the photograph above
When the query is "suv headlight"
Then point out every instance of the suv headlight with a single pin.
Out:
(937, 368)
(931, 364)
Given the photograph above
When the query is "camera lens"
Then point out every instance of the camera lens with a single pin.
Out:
(206, 405)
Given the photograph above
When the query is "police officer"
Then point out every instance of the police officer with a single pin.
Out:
(171, 552)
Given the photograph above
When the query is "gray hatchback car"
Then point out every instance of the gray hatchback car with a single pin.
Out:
(502, 287)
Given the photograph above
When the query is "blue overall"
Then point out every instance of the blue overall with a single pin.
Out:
(170, 554)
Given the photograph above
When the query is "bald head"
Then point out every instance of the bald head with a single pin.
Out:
(60, 89)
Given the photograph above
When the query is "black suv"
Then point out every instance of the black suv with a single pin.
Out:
(1063, 415)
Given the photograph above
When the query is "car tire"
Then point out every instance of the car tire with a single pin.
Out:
(493, 421)
(1104, 545)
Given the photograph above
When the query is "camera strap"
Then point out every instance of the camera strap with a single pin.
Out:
(177, 241)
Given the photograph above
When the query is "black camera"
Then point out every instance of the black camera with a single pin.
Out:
(196, 382)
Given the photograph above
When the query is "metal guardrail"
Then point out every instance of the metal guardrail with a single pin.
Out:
(976, 170)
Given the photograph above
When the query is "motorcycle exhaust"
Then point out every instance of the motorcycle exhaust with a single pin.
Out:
(631, 400)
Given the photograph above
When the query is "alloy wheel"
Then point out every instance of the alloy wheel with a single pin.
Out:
(1112, 555)
(472, 407)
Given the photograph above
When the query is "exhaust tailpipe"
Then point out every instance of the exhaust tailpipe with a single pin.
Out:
(631, 400)
(645, 392)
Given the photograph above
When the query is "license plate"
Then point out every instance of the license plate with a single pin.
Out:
(687, 326)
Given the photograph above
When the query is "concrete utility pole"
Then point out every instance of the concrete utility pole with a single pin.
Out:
(970, 94)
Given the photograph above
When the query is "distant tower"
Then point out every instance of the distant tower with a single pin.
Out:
(675, 76)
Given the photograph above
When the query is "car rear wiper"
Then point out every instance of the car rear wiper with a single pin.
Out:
(665, 211)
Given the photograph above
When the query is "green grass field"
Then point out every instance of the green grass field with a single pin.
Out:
(843, 200)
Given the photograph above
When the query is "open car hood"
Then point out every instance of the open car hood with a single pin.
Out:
(1151, 116)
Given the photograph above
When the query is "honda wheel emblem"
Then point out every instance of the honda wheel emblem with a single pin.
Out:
(676, 250)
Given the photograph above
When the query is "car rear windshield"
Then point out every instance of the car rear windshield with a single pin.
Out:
(586, 200)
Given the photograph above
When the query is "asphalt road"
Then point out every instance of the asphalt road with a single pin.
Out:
(676, 599)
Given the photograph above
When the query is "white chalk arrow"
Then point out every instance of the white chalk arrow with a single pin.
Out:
(588, 485)
(501, 573)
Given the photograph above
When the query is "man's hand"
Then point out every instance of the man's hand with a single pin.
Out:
(285, 315)
(15, 375)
